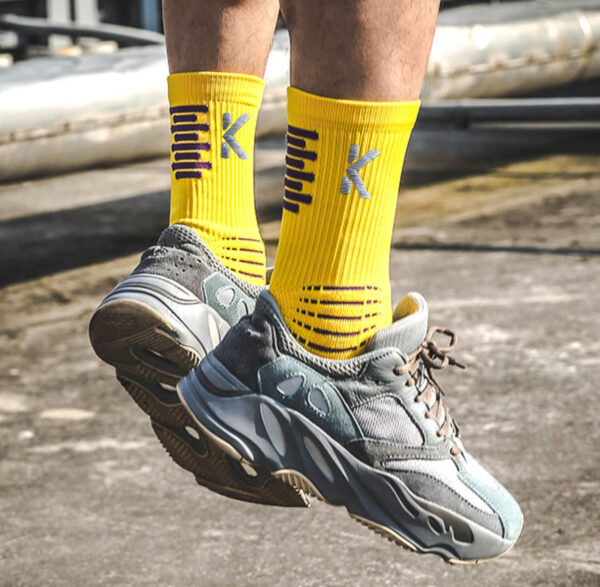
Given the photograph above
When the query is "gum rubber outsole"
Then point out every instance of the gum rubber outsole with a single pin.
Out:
(149, 361)
(269, 489)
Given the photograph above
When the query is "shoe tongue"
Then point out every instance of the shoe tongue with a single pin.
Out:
(178, 236)
(409, 328)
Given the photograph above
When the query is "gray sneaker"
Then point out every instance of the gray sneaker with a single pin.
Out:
(370, 433)
(154, 327)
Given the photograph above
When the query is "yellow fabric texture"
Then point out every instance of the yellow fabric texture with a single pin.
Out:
(212, 183)
(331, 277)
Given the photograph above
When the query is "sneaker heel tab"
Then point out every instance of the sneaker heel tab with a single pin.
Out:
(267, 305)
(177, 235)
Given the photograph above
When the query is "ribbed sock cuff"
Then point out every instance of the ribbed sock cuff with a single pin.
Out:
(353, 114)
(215, 86)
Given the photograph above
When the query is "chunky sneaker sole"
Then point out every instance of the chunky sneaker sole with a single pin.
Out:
(258, 432)
(153, 331)
(247, 417)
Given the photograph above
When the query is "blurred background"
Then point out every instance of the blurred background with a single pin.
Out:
(498, 225)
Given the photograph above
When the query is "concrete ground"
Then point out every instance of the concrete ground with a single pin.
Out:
(504, 241)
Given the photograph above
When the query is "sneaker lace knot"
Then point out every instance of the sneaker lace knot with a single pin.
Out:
(422, 362)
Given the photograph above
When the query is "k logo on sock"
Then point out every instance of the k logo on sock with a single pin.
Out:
(353, 177)
(229, 139)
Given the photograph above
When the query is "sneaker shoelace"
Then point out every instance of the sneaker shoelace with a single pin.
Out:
(427, 357)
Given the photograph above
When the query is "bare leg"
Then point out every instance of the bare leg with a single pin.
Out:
(217, 52)
(357, 71)
(374, 50)
(226, 35)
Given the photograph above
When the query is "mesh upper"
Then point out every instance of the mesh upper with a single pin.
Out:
(290, 346)
(385, 418)
(444, 471)
(179, 236)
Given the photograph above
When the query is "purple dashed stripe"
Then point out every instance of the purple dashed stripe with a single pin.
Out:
(184, 118)
(189, 127)
(290, 207)
(249, 262)
(333, 333)
(343, 288)
(327, 349)
(192, 165)
(294, 163)
(249, 274)
(192, 108)
(340, 303)
(296, 142)
(187, 156)
(191, 147)
(186, 136)
(240, 238)
(188, 175)
(293, 173)
(243, 261)
(293, 185)
(305, 326)
(300, 132)
(297, 197)
(330, 317)
(245, 250)
(310, 155)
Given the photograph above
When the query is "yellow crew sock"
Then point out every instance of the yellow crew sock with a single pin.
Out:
(344, 161)
(213, 123)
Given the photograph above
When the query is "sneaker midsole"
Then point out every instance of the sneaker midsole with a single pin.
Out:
(195, 323)
(262, 431)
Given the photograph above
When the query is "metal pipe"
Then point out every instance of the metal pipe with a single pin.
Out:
(58, 115)
(513, 49)
(466, 113)
(124, 36)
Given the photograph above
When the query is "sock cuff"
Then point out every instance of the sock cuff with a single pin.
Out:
(215, 86)
(355, 114)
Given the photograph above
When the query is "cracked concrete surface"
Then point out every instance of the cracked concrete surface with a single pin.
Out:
(509, 256)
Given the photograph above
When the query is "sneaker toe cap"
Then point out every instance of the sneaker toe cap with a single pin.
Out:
(476, 478)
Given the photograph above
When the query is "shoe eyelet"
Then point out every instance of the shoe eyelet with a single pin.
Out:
(397, 371)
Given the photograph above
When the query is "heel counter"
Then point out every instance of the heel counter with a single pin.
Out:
(247, 346)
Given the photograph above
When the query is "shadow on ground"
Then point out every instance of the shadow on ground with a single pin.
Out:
(60, 236)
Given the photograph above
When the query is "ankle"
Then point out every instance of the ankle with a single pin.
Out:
(241, 253)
